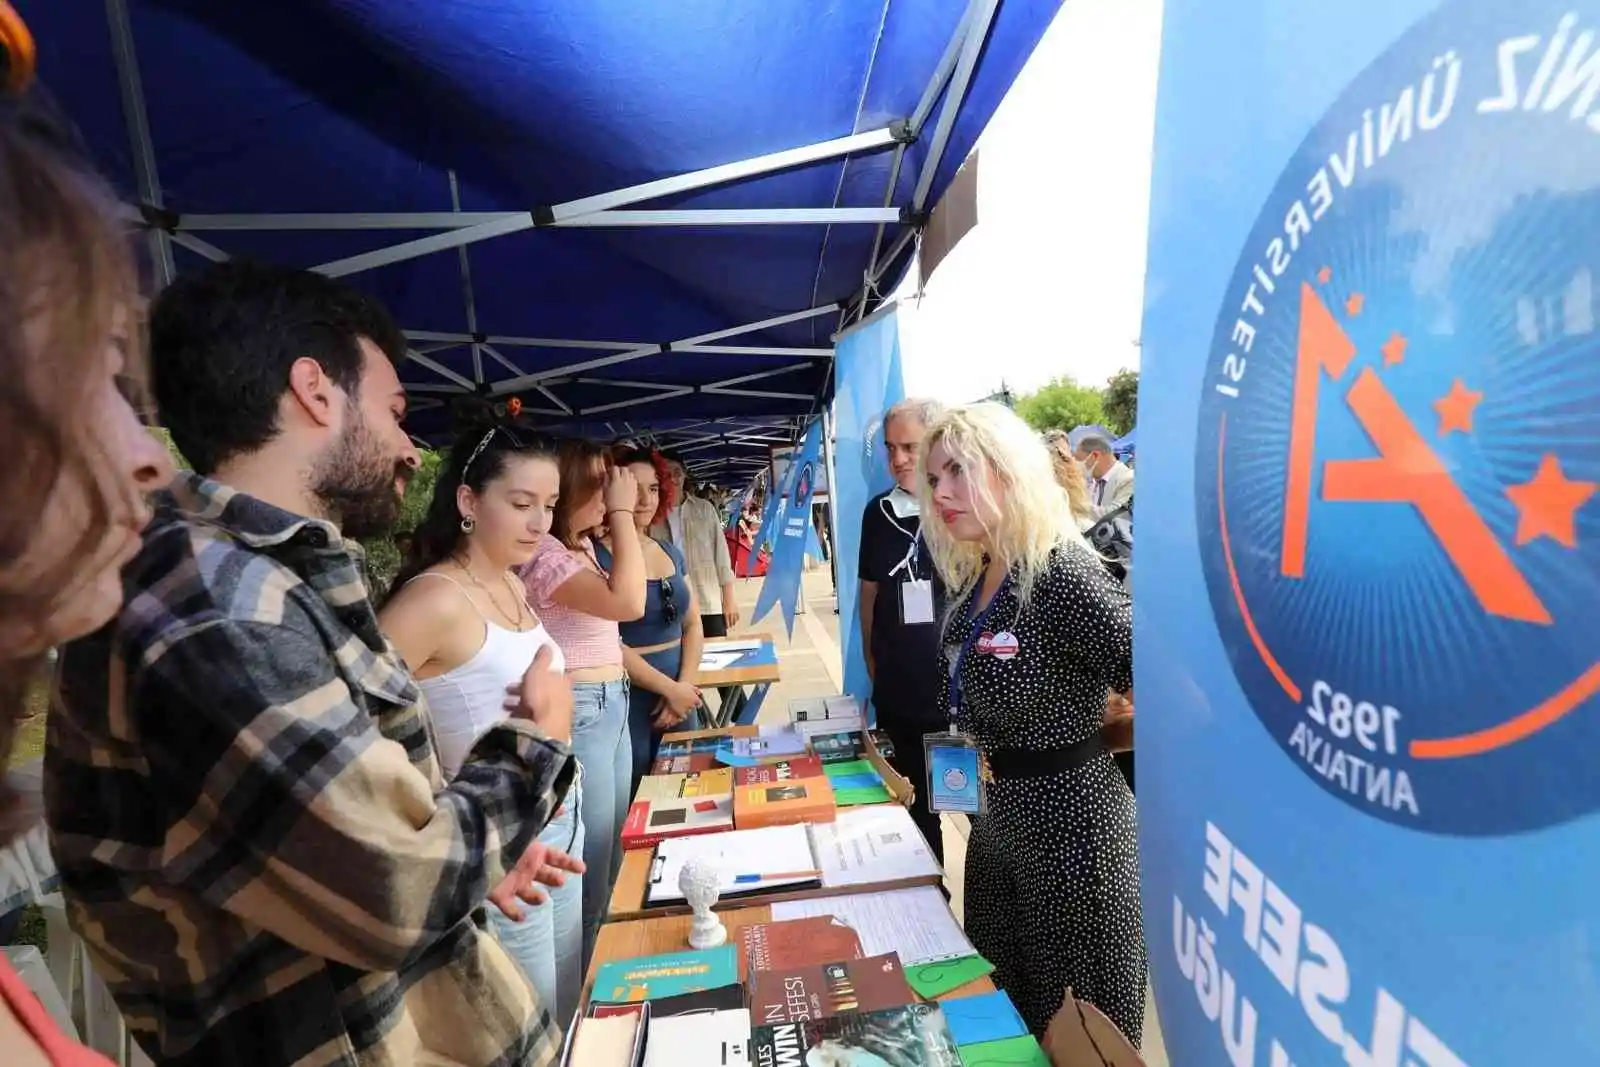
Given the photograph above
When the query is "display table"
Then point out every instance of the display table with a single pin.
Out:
(654, 937)
(746, 672)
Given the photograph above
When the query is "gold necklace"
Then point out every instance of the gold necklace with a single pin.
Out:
(520, 604)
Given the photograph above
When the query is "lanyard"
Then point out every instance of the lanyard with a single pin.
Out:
(975, 630)
(913, 555)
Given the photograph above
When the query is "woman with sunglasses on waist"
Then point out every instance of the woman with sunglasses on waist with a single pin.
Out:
(581, 602)
(78, 459)
(661, 648)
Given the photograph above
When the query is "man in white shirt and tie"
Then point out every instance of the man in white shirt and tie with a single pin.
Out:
(1110, 480)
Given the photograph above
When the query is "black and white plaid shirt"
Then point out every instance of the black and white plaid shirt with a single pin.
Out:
(254, 838)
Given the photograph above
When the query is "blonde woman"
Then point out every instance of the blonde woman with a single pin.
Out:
(1071, 476)
(1036, 635)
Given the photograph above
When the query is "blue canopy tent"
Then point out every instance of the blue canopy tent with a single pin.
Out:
(1126, 444)
(636, 218)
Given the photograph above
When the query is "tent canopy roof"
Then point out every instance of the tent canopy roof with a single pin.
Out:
(322, 132)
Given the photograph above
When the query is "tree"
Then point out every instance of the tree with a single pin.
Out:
(1063, 404)
(1122, 401)
(383, 559)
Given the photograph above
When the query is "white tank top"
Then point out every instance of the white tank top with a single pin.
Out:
(466, 700)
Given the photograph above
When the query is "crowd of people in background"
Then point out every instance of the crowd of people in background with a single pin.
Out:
(293, 825)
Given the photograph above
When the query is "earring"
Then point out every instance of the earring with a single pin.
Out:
(468, 524)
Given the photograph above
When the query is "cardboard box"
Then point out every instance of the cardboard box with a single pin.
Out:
(1081, 1036)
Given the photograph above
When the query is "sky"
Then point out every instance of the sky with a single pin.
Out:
(1051, 281)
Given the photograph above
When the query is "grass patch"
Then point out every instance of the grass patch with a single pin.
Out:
(28, 744)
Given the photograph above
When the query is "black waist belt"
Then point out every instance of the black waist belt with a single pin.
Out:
(1042, 762)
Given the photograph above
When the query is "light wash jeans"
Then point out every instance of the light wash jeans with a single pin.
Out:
(548, 943)
(600, 741)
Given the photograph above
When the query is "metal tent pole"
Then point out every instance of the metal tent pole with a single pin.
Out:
(138, 120)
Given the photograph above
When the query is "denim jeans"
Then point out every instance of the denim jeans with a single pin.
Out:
(600, 741)
(548, 943)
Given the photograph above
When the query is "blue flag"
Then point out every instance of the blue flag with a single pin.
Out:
(790, 529)
(867, 381)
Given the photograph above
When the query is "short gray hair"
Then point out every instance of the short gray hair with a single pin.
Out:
(921, 409)
(1093, 442)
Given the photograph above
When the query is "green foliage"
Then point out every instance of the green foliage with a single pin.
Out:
(1122, 401)
(383, 559)
(1062, 405)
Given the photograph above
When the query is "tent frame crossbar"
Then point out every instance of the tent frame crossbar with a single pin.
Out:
(457, 229)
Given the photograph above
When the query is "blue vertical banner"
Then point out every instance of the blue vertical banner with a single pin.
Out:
(791, 531)
(867, 380)
(1370, 535)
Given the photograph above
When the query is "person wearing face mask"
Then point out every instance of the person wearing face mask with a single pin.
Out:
(1110, 480)
(662, 647)
(1036, 635)
(899, 595)
(79, 459)
(582, 602)
(243, 758)
(460, 619)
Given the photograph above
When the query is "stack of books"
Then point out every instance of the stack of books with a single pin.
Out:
(782, 990)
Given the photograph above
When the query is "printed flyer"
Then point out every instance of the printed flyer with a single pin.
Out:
(1370, 553)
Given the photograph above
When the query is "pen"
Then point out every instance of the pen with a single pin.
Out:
(746, 879)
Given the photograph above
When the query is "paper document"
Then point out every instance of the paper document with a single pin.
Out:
(913, 922)
(731, 646)
(741, 855)
(874, 844)
(718, 661)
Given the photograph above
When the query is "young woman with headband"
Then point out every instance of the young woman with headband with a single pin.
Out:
(458, 616)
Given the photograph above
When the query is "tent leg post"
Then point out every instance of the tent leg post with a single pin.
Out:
(138, 121)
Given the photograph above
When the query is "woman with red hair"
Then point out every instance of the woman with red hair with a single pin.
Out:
(661, 649)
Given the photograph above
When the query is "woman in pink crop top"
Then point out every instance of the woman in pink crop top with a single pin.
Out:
(581, 605)
(79, 457)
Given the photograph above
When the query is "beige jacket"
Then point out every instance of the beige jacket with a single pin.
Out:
(705, 549)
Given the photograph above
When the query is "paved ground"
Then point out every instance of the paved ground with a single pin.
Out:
(810, 663)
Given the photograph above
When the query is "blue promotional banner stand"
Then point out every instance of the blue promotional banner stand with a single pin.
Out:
(868, 380)
(1370, 552)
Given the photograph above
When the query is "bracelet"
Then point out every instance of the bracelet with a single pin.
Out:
(613, 511)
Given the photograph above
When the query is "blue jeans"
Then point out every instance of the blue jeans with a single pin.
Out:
(548, 943)
(600, 741)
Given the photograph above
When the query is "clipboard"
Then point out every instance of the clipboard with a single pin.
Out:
(736, 852)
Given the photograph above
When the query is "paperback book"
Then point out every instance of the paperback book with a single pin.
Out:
(910, 1036)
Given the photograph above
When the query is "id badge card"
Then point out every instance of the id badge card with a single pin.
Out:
(916, 602)
(955, 784)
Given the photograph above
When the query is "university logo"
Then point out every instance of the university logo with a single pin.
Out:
(1399, 441)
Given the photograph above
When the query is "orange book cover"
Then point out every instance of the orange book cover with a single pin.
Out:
(708, 783)
(799, 800)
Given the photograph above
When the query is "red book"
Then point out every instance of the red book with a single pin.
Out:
(651, 822)
(782, 771)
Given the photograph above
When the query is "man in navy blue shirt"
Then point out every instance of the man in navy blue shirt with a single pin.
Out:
(899, 608)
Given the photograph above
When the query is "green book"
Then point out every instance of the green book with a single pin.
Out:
(671, 975)
(855, 783)
(1012, 1052)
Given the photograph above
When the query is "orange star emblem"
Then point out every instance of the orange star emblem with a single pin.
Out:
(1325, 275)
(1548, 503)
(1455, 407)
(1394, 350)
(1354, 305)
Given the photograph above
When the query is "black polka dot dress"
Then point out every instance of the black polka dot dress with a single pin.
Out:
(1052, 874)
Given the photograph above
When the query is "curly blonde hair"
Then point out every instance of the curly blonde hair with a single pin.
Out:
(1070, 475)
(998, 450)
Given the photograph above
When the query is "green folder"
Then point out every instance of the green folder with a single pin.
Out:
(1012, 1052)
(931, 980)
